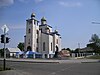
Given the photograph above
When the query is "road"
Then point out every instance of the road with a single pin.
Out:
(24, 68)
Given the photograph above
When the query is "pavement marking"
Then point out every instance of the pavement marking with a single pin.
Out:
(53, 73)
(61, 70)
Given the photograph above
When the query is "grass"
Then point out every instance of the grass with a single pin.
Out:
(94, 57)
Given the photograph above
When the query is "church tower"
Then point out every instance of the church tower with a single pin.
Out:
(31, 36)
(43, 21)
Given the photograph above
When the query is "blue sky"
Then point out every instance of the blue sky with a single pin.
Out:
(72, 18)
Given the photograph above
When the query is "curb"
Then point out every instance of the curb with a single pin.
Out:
(92, 62)
(31, 61)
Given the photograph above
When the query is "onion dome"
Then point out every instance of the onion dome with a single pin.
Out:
(43, 19)
(56, 31)
(32, 15)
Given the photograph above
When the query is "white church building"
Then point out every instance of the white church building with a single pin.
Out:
(41, 38)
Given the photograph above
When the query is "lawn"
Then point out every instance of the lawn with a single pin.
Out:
(94, 57)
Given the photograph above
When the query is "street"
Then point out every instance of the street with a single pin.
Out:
(24, 68)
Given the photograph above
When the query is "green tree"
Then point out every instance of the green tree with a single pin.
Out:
(95, 39)
(76, 50)
(68, 49)
(21, 46)
(95, 43)
(1, 52)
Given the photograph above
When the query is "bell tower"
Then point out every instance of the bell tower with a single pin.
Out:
(30, 38)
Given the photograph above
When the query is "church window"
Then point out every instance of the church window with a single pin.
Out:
(29, 30)
(51, 46)
(43, 46)
(37, 40)
(29, 41)
(35, 22)
(57, 41)
(30, 22)
(37, 49)
(37, 32)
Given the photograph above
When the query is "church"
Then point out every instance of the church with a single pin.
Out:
(41, 38)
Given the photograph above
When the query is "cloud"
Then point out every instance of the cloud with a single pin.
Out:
(38, 1)
(17, 27)
(6, 2)
(70, 4)
(24, 1)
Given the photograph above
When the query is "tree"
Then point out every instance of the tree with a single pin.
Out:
(56, 54)
(76, 50)
(95, 39)
(1, 52)
(68, 49)
(94, 43)
(21, 46)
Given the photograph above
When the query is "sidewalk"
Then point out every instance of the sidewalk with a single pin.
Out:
(52, 60)
(14, 72)
(32, 60)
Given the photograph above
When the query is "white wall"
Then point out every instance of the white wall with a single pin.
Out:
(44, 28)
(50, 41)
(55, 37)
(32, 35)
(45, 39)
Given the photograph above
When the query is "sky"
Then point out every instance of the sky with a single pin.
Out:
(72, 18)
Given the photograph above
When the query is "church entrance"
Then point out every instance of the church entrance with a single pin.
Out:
(56, 52)
(29, 48)
(57, 49)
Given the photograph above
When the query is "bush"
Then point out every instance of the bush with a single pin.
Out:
(1, 68)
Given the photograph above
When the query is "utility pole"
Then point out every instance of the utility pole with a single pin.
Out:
(4, 49)
(79, 48)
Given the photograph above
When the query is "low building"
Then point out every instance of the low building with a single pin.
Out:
(11, 52)
(64, 53)
(86, 50)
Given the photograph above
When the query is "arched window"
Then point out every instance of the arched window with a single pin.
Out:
(37, 32)
(37, 49)
(29, 41)
(51, 46)
(29, 30)
(29, 48)
(57, 41)
(43, 46)
(37, 40)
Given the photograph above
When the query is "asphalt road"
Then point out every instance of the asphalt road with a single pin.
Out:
(24, 68)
